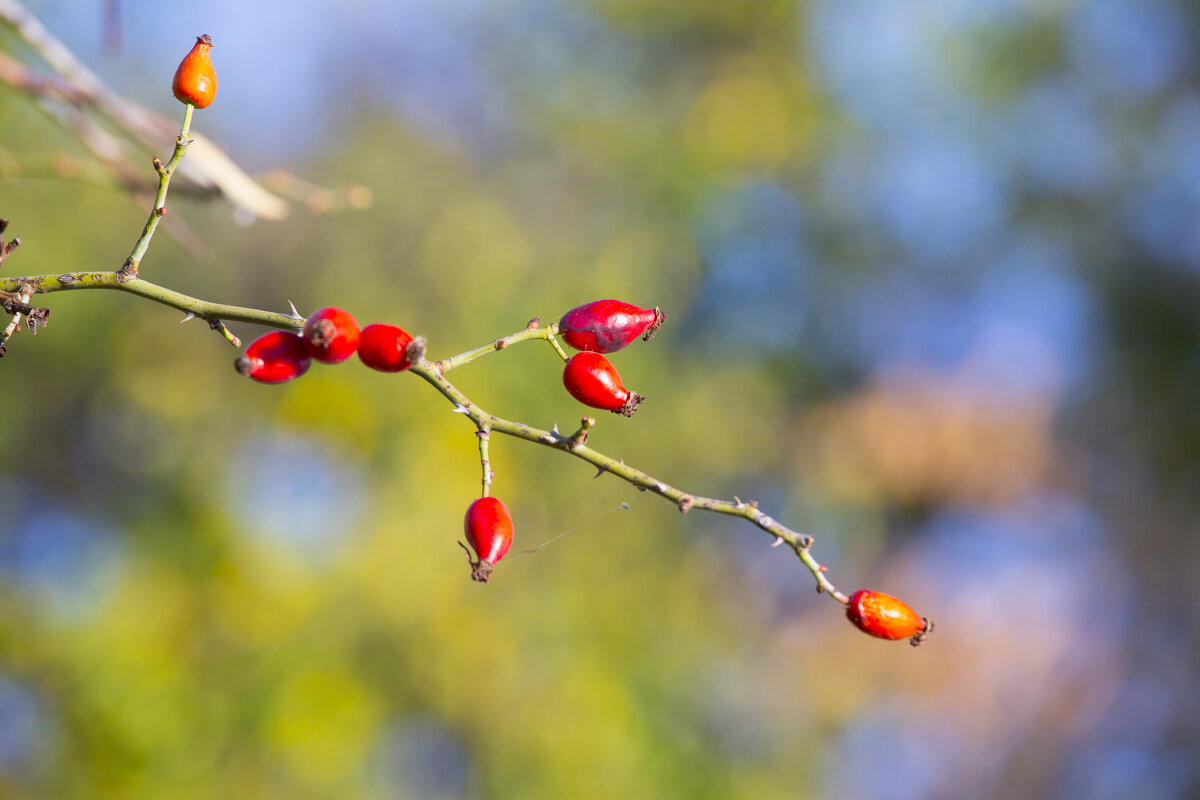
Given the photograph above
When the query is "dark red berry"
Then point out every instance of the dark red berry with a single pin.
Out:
(593, 380)
(276, 357)
(331, 335)
(385, 347)
(195, 80)
(885, 617)
(489, 529)
(605, 326)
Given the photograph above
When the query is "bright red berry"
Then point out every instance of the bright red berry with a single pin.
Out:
(385, 347)
(605, 326)
(331, 335)
(885, 617)
(489, 529)
(195, 80)
(593, 380)
(276, 357)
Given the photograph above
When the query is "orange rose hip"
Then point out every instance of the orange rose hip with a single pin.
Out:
(885, 617)
(195, 80)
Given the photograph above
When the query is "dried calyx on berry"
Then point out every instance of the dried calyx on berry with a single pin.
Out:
(605, 326)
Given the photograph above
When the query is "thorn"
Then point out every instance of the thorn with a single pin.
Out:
(460, 409)
(554, 429)
(778, 541)
(188, 317)
(295, 313)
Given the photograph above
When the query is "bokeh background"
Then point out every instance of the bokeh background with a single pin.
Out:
(933, 278)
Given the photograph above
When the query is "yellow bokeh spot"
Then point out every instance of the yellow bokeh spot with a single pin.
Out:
(744, 121)
(476, 238)
(321, 723)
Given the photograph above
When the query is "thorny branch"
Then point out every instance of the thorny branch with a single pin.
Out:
(16, 293)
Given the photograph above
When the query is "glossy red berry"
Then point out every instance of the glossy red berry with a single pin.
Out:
(489, 529)
(605, 326)
(331, 335)
(593, 380)
(195, 80)
(276, 357)
(885, 617)
(385, 347)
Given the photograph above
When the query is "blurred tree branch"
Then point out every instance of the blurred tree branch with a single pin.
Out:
(73, 89)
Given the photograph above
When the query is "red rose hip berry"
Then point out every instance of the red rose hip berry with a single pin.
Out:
(276, 357)
(885, 617)
(195, 80)
(489, 529)
(593, 380)
(331, 335)
(605, 326)
(385, 347)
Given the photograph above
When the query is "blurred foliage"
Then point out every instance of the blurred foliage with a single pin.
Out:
(931, 277)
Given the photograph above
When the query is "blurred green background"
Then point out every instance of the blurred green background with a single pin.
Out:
(932, 278)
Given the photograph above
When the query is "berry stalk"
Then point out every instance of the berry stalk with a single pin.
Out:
(129, 270)
(432, 373)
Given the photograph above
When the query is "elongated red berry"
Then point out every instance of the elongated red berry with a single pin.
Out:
(489, 529)
(885, 617)
(195, 80)
(605, 326)
(384, 347)
(331, 335)
(276, 357)
(593, 380)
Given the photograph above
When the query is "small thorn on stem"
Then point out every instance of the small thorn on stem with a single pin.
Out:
(188, 317)
(295, 314)
(778, 541)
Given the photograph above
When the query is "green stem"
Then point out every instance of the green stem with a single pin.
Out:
(484, 435)
(165, 171)
(531, 332)
(432, 373)
(68, 281)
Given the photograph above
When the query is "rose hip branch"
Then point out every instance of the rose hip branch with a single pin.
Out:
(331, 336)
